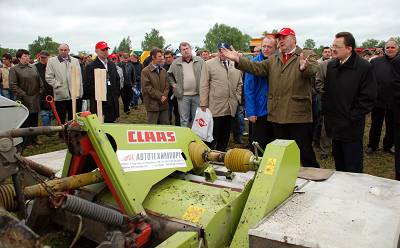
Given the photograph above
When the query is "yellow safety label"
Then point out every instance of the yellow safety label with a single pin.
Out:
(193, 214)
(270, 167)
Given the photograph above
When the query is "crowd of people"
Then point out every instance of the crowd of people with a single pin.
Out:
(284, 91)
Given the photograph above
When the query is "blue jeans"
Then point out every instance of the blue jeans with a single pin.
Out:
(238, 125)
(187, 106)
(46, 116)
(7, 93)
(136, 95)
(240, 118)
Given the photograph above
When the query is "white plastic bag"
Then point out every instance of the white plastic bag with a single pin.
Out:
(203, 125)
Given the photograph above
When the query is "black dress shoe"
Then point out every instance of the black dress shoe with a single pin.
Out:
(370, 150)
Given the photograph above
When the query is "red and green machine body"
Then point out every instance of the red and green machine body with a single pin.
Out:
(148, 171)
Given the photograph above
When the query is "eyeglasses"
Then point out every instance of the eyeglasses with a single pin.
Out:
(337, 47)
(105, 49)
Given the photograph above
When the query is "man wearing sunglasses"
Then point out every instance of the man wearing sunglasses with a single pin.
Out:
(111, 106)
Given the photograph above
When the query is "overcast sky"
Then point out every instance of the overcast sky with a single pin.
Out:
(82, 23)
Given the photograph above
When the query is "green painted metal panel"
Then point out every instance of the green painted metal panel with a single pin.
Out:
(133, 186)
(181, 240)
(193, 202)
(274, 183)
(216, 210)
(67, 162)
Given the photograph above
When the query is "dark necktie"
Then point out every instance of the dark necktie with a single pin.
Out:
(225, 64)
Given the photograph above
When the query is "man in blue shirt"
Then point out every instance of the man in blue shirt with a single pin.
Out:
(255, 93)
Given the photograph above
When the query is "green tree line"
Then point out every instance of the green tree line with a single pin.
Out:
(216, 34)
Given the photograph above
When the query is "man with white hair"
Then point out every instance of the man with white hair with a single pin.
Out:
(58, 75)
(289, 73)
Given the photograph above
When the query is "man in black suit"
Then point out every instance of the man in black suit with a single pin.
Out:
(111, 106)
(396, 114)
(349, 94)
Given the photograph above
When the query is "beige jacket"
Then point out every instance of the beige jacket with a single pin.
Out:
(320, 77)
(5, 71)
(58, 75)
(220, 90)
(175, 74)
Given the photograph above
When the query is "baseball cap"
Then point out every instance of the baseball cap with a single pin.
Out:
(112, 56)
(102, 45)
(224, 45)
(285, 32)
(44, 53)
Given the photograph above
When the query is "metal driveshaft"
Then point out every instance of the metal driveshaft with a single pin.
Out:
(28, 131)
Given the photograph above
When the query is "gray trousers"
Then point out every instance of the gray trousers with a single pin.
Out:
(158, 117)
(187, 106)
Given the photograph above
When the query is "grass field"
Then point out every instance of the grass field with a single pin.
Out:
(378, 164)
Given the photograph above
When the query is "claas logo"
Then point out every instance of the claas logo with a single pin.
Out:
(201, 122)
(147, 136)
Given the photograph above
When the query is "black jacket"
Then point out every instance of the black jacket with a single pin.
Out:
(384, 74)
(129, 73)
(396, 89)
(111, 106)
(47, 89)
(350, 94)
(138, 71)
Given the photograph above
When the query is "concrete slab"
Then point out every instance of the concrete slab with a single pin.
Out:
(347, 210)
(53, 160)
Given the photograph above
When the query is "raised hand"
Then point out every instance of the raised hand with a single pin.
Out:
(303, 62)
(231, 54)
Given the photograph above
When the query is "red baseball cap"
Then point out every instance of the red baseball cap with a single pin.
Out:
(102, 45)
(112, 56)
(285, 32)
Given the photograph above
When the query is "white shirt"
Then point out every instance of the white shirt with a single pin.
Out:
(104, 63)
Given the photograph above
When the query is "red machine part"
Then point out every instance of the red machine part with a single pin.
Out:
(141, 232)
(78, 162)
(50, 100)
